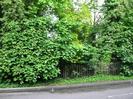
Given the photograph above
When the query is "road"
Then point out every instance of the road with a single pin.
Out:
(121, 93)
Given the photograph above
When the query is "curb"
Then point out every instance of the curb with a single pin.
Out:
(89, 86)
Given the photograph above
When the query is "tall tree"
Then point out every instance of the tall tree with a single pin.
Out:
(117, 32)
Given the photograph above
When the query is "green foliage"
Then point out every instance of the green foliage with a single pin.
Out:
(68, 81)
(127, 70)
(26, 54)
(89, 55)
(36, 34)
(90, 79)
(116, 33)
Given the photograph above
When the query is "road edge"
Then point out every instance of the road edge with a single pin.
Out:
(97, 85)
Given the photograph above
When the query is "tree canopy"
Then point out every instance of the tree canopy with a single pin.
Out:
(116, 34)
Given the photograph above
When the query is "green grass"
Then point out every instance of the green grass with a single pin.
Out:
(69, 81)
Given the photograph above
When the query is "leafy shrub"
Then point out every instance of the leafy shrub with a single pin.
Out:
(36, 34)
(90, 56)
(25, 55)
(126, 71)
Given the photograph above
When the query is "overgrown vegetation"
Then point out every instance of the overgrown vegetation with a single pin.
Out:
(36, 34)
(68, 81)
(116, 33)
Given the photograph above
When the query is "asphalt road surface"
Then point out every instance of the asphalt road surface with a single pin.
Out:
(121, 93)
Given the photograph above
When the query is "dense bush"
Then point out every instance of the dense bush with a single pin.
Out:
(126, 70)
(25, 55)
(36, 34)
(116, 33)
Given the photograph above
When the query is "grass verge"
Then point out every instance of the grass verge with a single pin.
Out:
(69, 81)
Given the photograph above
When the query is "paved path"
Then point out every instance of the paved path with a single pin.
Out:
(121, 93)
